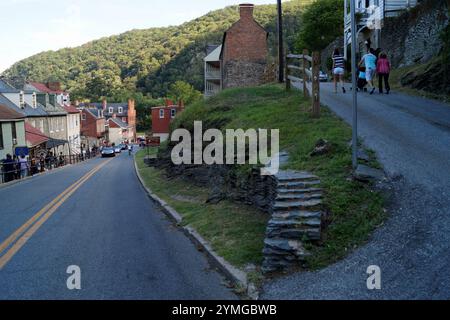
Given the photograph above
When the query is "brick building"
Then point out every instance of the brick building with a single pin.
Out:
(124, 111)
(244, 51)
(241, 60)
(93, 127)
(162, 116)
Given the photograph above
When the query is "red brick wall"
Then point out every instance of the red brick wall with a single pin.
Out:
(163, 125)
(246, 40)
(131, 119)
(92, 127)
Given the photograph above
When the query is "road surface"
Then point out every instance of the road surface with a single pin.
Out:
(124, 246)
(411, 137)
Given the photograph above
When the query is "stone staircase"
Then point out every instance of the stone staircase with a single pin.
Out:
(296, 217)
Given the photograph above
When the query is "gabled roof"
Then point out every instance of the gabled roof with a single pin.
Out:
(42, 87)
(9, 114)
(93, 112)
(214, 55)
(120, 123)
(34, 136)
(71, 109)
(6, 87)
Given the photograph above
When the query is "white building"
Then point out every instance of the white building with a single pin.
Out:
(370, 19)
(213, 71)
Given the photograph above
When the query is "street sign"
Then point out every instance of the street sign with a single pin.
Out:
(21, 151)
(154, 142)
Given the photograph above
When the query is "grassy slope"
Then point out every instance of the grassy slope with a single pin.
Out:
(356, 210)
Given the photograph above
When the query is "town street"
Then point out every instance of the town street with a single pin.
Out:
(411, 137)
(106, 225)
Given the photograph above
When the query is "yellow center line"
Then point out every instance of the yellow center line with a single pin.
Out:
(45, 213)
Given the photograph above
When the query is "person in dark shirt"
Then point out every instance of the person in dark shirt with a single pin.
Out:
(8, 168)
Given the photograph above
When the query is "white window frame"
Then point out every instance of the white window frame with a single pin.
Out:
(120, 110)
(161, 113)
(173, 113)
(111, 110)
(83, 117)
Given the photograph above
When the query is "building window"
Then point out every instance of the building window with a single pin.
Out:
(111, 110)
(124, 119)
(83, 117)
(120, 110)
(1, 136)
(161, 113)
(173, 113)
(14, 131)
(34, 102)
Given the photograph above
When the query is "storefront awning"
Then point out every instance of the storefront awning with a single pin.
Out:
(54, 143)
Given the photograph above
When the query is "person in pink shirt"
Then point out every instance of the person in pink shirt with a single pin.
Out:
(383, 71)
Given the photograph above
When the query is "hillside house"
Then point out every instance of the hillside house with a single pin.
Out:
(118, 131)
(241, 60)
(125, 111)
(371, 15)
(12, 131)
(93, 128)
(162, 116)
(41, 111)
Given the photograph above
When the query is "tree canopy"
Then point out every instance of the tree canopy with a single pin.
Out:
(148, 61)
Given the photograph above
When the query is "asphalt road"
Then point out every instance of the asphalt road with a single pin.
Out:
(411, 137)
(124, 245)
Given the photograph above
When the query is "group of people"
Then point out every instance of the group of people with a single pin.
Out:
(14, 167)
(373, 63)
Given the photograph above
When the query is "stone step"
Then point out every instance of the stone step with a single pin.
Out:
(298, 191)
(295, 234)
(301, 196)
(293, 223)
(285, 206)
(296, 214)
(280, 245)
(297, 184)
(288, 175)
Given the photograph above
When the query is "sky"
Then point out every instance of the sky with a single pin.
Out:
(28, 27)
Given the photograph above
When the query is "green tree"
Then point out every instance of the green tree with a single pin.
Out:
(322, 24)
(181, 90)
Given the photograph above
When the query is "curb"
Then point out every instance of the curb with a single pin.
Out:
(237, 276)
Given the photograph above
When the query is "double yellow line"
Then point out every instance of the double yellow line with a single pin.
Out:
(19, 237)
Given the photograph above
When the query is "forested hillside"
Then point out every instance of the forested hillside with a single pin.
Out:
(147, 60)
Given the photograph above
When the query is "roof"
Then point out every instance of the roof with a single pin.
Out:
(27, 111)
(115, 106)
(214, 55)
(120, 123)
(93, 112)
(42, 87)
(6, 87)
(34, 136)
(9, 114)
(71, 109)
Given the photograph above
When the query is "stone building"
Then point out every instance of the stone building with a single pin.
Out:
(241, 60)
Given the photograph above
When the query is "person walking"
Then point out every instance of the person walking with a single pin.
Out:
(23, 165)
(8, 169)
(369, 60)
(338, 69)
(383, 71)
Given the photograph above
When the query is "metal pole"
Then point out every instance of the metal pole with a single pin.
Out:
(280, 43)
(355, 99)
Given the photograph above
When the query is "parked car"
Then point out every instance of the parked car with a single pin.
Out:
(123, 146)
(323, 77)
(118, 149)
(108, 152)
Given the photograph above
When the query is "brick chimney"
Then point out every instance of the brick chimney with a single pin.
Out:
(246, 11)
(104, 104)
(54, 86)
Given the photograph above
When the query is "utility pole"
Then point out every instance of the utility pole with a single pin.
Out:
(355, 99)
(280, 43)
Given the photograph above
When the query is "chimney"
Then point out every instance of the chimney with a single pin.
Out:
(131, 104)
(168, 102)
(54, 86)
(246, 11)
(104, 104)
